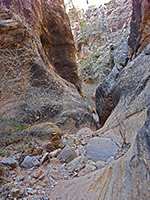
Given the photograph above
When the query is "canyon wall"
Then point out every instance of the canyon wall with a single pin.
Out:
(127, 121)
(39, 68)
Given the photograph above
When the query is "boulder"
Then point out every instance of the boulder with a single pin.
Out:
(101, 148)
(67, 154)
(46, 134)
(9, 162)
(76, 164)
(30, 162)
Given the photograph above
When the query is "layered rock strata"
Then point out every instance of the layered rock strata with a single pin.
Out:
(36, 47)
(101, 37)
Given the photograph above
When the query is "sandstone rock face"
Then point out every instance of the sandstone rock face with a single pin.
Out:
(140, 27)
(127, 122)
(101, 37)
(131, 87)
(49, 24)
(124, 179)
(104, 101)
(36, 42)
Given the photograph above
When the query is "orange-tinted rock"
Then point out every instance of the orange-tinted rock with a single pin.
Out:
(36, 45)
(140, 27)
(49, 27)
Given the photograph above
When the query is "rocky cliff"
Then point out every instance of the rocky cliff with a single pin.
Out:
(42, 162)
(37, 49)
(140, 25)
(101, 37)
(128, 122)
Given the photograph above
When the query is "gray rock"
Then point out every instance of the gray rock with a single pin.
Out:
(67, 154)
(101, 148)
(31, 191)
(15, 192)
(76, 164)
(36, 198)
(21, 178)
(35, 161)
(29, 162)
(42, 177)
(111, 159)
(104, 100)
(44, 158)
(9, 162)
(101, 164)
(44, 197)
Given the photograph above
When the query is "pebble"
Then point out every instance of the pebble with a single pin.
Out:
(89, 168)
(55, 153)
(44, 197)
(44, 158)
(32, 183)
(42, 177)
(27, 162)
(67, 154)
(21, 178)
(101, 164)
(36, 198)
(31, 191)
(15, 192)
(37, 174)
(9, 162)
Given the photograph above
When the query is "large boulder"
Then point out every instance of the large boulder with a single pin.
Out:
(36, 47)
(47, 135)
(101, 148)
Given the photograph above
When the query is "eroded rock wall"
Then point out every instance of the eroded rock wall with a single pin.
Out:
(128, 176)
(106, 99)
(140, 26)
(101, 38)
(36, 47)
(127, 122)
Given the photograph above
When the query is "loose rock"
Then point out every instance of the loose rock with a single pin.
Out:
(9, 162)
(67, 154)
(76, 164)
(44, 158)
(29, 162)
